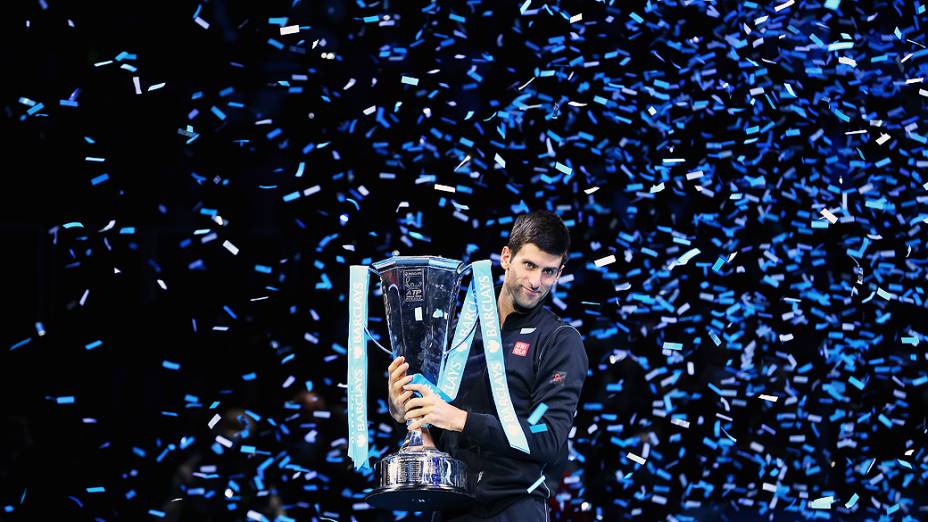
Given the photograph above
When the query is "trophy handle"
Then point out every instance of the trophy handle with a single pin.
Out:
(453, 348)
(460, 271)
(464, 268)
(371, 337)
(368, 332)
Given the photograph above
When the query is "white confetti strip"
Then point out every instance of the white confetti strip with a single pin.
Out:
(822, 503)
(636, 458)
(535, 484)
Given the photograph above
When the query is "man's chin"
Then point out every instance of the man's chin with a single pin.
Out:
(522, 304)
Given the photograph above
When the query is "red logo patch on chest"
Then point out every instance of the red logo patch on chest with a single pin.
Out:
(520, 349)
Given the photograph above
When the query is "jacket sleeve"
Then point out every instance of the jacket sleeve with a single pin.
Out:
(558, 383)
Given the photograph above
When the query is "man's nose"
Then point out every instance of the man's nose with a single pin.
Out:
(535, 279)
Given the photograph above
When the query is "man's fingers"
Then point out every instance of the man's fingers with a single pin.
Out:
(398, 386)
(419, 409)
(396, 363)
(418, 402)
(399, 371)
(419, 422)
(395, 389)
(403, 398)
(424, 390)
(418, 412)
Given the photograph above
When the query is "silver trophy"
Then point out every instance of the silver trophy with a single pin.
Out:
(420, 293)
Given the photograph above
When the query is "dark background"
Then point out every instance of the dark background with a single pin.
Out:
(139, 429)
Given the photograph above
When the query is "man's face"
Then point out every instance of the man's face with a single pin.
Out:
(530, 274)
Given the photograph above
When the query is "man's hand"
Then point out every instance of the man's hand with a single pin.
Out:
(430, 409)
(396, 380)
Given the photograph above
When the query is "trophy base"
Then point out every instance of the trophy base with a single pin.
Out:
(422, 479)
(416, 498)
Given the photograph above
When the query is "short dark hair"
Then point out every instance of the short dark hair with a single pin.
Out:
(545, 229)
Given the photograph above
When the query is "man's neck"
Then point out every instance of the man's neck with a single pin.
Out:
(504, 304)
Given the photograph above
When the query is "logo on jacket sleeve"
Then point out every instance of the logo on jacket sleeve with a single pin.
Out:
(558, 377)
(521, 348)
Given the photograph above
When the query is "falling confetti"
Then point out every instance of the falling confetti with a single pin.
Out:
(744, 183)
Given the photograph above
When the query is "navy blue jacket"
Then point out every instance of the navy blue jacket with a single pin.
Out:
(545, 363)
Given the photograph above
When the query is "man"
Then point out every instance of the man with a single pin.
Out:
(545, 367)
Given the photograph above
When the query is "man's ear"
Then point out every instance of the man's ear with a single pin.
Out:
(505, 257)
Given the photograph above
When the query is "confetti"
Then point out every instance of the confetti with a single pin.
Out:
(822, 503)
(635, 458)
(749, 181)
(538, 412)
(535, 484)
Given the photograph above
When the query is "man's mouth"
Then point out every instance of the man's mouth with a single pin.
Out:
(532, 293)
